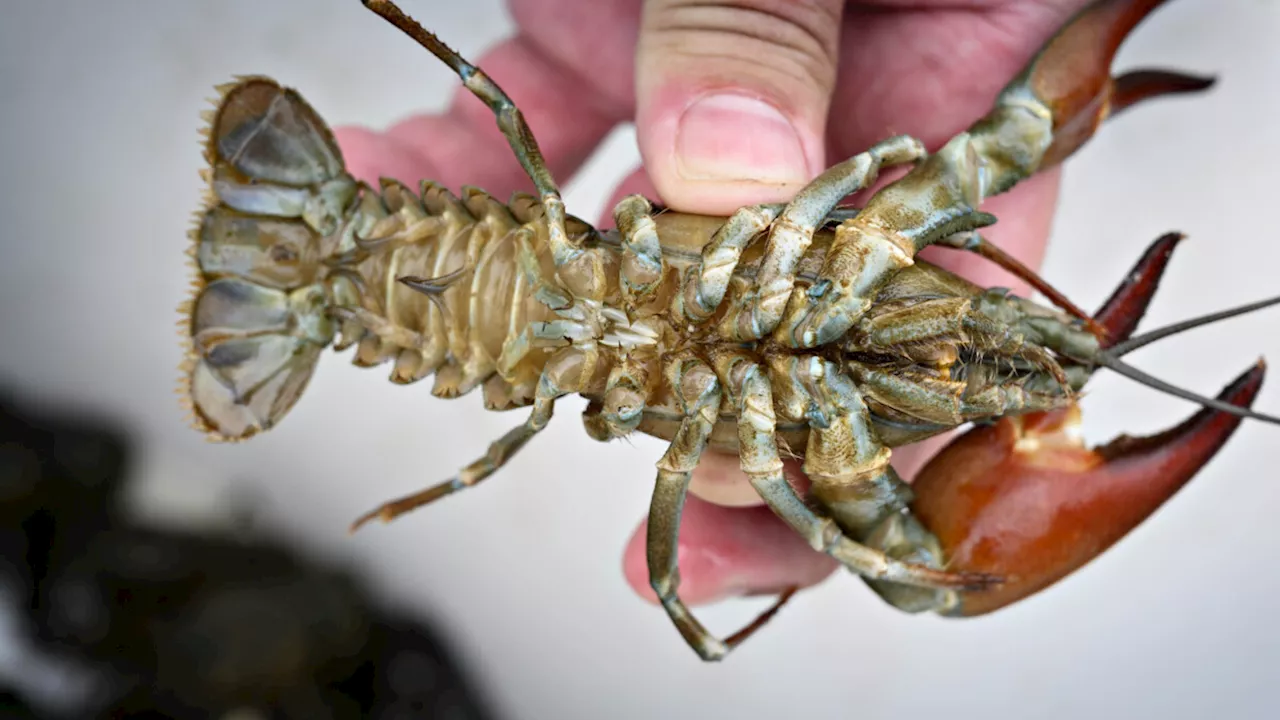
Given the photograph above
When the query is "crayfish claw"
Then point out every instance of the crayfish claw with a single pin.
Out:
(1025, 498)
(1120, 314)
(1071, 76)
(1133, 87)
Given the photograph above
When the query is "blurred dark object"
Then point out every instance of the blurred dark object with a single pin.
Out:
(102, 618)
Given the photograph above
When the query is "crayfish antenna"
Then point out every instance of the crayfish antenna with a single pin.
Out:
(1023, 498)
(1123, 311)
(1120, 314)
(1155, 383)
(1128, 346)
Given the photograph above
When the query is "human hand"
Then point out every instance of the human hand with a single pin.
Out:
(787, 89)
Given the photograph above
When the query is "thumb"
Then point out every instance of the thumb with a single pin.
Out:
(732, 98)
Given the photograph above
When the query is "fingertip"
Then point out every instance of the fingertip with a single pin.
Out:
(715, 151)
(730, 552)
(732, 102)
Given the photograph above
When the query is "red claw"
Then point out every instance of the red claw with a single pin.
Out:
(1025, 499)
(1072, 74)
(1121, 313)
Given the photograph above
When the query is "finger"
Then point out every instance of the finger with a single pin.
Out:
(594, 41)
(732, 98)
(463, 146)
(730, 552)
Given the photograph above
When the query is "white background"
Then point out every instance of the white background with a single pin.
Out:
(98, 147)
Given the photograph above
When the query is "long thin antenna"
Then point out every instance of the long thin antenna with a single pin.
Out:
(1144, 339)
(1115, 365)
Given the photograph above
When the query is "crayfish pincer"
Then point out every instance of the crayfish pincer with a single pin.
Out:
(803, 325)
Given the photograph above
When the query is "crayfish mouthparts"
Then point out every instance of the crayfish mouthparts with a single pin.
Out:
(798, 326)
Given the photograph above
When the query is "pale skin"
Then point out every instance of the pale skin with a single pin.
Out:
(790, 88)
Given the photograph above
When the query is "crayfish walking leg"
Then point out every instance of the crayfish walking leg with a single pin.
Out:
(756, 312)
(563, 375)
(699, 387)
(580, 269)
(752, 397)
(700, 397)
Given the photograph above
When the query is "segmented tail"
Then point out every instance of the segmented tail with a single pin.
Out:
(257, 319)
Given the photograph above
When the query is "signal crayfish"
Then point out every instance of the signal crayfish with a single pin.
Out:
(808, 328)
